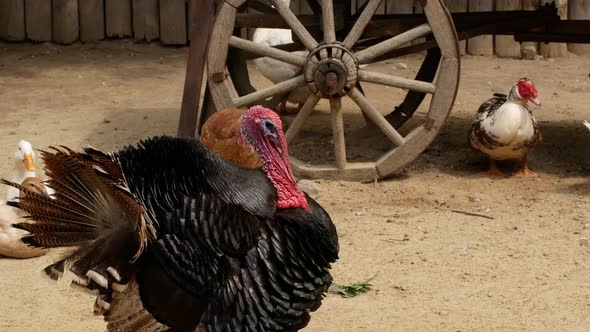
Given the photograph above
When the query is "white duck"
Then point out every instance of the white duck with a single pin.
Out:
(505, 127)
(11, 244)
(24, 165)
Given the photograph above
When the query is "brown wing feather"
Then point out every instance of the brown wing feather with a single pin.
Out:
(491, 105)
(60, 239)
(477, 136)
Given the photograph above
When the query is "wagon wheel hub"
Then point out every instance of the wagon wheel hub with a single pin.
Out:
(331, 70)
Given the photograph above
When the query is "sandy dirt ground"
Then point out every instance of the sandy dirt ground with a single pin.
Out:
(434, 270)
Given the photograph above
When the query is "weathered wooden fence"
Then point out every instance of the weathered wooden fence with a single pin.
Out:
(69, 21)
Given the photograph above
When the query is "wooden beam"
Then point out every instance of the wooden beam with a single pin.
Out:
(200, 27)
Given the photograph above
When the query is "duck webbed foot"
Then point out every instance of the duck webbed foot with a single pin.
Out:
(525, 170)
(494, 171)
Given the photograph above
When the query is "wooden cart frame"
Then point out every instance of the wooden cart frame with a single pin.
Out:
(338, 42)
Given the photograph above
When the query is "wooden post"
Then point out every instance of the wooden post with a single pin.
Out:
(458, 6)
(481, 45)
(146, 24)
(12, 20)
(91, 20)
(65, 21)
(553, 50)
(529, 49)
(204, 12)
(578, 10)
(506, 46)
(118, 18)
(38, 17)
(172, 22)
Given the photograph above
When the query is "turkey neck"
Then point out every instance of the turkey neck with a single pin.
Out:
(276, 166)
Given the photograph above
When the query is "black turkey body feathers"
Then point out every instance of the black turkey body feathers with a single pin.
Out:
(208, 249)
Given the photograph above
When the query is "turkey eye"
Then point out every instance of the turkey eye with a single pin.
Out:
(269, 127)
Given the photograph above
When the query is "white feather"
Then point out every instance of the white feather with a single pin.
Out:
(587, 124)
(512, 125)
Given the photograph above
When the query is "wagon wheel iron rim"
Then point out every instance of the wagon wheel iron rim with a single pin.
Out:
(331, 71)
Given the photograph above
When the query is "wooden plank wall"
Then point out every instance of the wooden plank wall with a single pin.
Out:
(68, 21)
(91, 20)
(39, 22)
(12, 20)
(65, 21)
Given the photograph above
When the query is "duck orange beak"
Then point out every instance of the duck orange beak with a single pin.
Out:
(29, 163)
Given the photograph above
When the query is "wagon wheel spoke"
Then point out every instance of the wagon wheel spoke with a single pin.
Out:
(396, 82)
(303, 114)
(328, 21)
(296, 26)
(276, 89)
(361, 23)
(376, 117)
(368, 54)
(338, 132)
(267, 51)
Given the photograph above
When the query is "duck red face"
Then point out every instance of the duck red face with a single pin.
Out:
(528, 91)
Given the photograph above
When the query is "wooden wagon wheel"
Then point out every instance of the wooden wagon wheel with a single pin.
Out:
(331, 71)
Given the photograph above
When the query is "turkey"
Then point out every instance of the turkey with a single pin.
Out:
(505, 127)
(173, 236)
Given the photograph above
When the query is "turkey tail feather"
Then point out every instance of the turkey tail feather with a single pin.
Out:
(87, 210)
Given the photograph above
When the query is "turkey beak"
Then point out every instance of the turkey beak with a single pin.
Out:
(28, 161)
(536, 101)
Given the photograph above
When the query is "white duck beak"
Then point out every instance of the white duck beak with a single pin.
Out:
(29, 163)
(536, 101)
